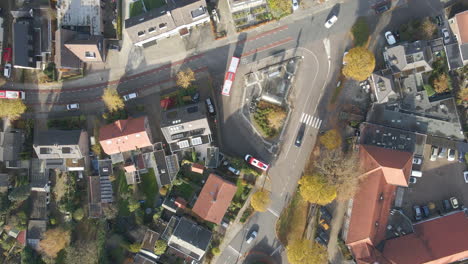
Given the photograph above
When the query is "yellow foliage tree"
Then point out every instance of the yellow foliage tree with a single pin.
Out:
(185, 78)
(315, 189)
(360, 63)
(260, 200)
(463, 94)
(112, 100)
(54, 240)
(303, 251)
(280, 8)
(331, 139)
(441, 84)
(11, 109)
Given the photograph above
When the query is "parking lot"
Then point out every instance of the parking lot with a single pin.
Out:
(441, 180)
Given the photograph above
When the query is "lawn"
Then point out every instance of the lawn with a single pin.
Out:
(120, 187)
(67, 123)
(280, 8)
(136, 8)
(184, 190)
(293, 220)
(360, 31)
(152, 4)
(150, 188)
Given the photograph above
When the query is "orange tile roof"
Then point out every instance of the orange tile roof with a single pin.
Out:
(365, 253)
(198, 168)
(214, 199)
(437, 241)
(124, 135)
(462, 21)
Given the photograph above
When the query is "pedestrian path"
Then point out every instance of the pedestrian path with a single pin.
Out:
(311, 121)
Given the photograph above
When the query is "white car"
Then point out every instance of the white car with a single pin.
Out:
(295, 5)
(390, 38)
(454, 202)
(330, 22)
(251, 237)
(7, 70)
(451, 155)
(344, 56)
(434, 152)
(130, 96)
(73, 106)
(465, 175)
(417, 161)
(446, 35)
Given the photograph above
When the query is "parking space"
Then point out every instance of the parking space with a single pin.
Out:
(441, 179)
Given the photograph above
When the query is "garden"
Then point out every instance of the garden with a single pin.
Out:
(419, 29)
(438, 81)
(249, 18)
(140, 6)
(269, 118)
(67, 123)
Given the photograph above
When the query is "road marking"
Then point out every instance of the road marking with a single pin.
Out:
(276, 250)
(266, 47)
(233, 249)
(273, 212)
(310, 120)
(302, 117)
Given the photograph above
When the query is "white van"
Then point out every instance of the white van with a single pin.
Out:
(416, 173)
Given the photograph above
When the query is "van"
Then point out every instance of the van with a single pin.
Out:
(416, 173)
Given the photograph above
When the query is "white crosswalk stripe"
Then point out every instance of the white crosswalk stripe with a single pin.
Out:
(310, 120)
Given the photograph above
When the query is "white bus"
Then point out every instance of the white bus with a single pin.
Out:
(230, 76)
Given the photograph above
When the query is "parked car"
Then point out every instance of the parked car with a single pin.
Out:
(234, 170)
(325, 214)
(330, 22)
(295, 5)
(416, 173)
(379, 9)
(196, 97)
(465, 176)
(439, 21)
(114, 47)
(434, 152)
(7, 70)
(48, 198)
(256, 163)
(425, 210)
(300, 135)
(446, 35)
(417, 213)
(251, 236)
(396, 33)
(130, 96)
(320, 241)
(417, 161)
(75, 106)
(390, 38)
(210, 106)
(451, 155)
(454, 202)
(443, 153)
(461, 156)
(447, 205)
(413, 180)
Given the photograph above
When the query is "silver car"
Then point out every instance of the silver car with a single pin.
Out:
(75, 106)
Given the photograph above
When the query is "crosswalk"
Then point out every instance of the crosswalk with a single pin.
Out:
(311, 120)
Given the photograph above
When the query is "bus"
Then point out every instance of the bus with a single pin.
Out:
(5, 94)
(230, 75)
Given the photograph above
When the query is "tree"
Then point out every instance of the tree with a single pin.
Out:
(463, 94)
(427, 29)
(185, 78)
(54, 240)
(134, 248)
(331, 139)
(315, 189)
(360, 64)
(110, 211)
(160, 247)
(133, 204)
(29, 256)
(12, 109)
(83, 252)
(97, 150)
(215, 251)
(112, 100)
(20, 193)
(78, 214)
(340, 171)
(157, 214)
(163, 190)
(260, 200)
(280, 8)
(303, 251)
(441, 83)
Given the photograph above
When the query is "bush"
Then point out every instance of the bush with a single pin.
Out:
(78, 214)
(331, 139)
(360, 31)
(134, 248)
(160, 247)
(215, 251)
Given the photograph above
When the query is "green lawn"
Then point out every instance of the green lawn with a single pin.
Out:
(150, 188)
(136, 8)
(152, 4)
(184, 190)
(240, 190)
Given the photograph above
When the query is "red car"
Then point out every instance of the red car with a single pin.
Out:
(7, 54)
(256, 163)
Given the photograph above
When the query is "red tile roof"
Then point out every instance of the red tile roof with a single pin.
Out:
(124, 135)
(198, 168)
(214, 199)
(462, 21)
(21, 238)
(441, 240)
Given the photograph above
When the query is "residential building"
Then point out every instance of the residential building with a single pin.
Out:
(165, 166)
(189, 239)
(383, 86)
(4, 182)
(23, 41)
(241, 5)
(409, 58)
(186, 127)
(214, 199)
(105, 171)
(85, 15)
(38, 201)
(39, 176)
(172, 203)
(125, 135)
(36, 230)
(62, 149)
(457, 53)
(11, 145)
(175, 18)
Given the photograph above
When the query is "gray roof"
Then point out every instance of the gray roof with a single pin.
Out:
(57, 137)
(38, 205)
(64, 58)
(409, 56)
(464, 51)
(183, 114)
(382, 85)
(11, 144)
(161, 170)
(39, 175)
(192, 233)
(4, 179)
(452, 52)
(23, 51)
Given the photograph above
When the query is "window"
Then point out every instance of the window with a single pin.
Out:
(45, 150)
(151, 29)
(66, 150)
(141, 33)
(90, 54)
(162, 25)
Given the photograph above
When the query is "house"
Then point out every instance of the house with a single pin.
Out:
(23, 41)
(457, 53)
(214, 199)
(38, 201)
(165, 166)
(4, 182)
(125, 135)
(176, 17)
(11, 145)
(94, 197)
(105, 185)
(36, 230)
(186, 127)
(189, 239)
(409, 58)
(383, 86)
(147, 247)
(85, 15)
(172, 203)
(39, 176)
(62, 149)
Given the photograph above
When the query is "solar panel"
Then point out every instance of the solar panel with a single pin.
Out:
(196, 141)
(183, 144)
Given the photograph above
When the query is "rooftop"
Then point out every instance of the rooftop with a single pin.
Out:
(57, 137)
(38, 205)
(462, 21)
(382, 84)
(190, 238)
(24, 43)
(84, 13)
(11, 144)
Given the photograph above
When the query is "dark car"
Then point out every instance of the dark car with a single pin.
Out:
(325, 214)
(461, 156)
(300, 135)
(425, 210)
(320, 241)
(196, 97)
(447, 205)
(417, 213)
(323, 235)
(379, 9)
(439, 20)
(396, 33)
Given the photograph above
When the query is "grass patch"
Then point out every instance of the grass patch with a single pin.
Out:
(150, 188)
(152, 4)
(280, 8)
(136, 8)
(360, 31)
(240, 189)
(269, 118)
(292, 221)
(184, 190)
(429, 90)
(67, 123)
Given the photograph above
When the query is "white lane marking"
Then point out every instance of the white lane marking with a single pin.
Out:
(312, 120)
(318, 126)
(302, 117)
(273, 212)
(316, 122)
(233, 249)
(309, 118)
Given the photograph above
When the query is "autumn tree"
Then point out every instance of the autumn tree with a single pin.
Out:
(12, 108)
(260, 200)
(112, 100)
(160, 247)
(463, 94)
(82, 252)
(133, 204)
(441, 83)
(134, 248)
(303, 251)
(54, 240)
(360, 64)
(427, 29)
(20, 193)
(340, 170)
(331, 139)
(185, 78)
(110, 211)
(78, 214)
(315, 189)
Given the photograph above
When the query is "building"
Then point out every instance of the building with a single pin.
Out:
(23, 41)
(85, 15)
(409, 58)
(11, 145)
(94, 197)
(4, 182)
(214, 199)
(241, 5)
(383, 86)
(457, 53)
(186, 127)
(62, 149)
(175, 18)
(146, 254)
(189, 239)
(36, 230)
(125, 135)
